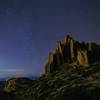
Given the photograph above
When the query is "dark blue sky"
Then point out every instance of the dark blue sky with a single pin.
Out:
(30, 28)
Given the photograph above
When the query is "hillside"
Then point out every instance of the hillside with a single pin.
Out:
(71, 73)
(70, 83)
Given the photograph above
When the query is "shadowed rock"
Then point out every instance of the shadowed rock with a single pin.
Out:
(89, 47)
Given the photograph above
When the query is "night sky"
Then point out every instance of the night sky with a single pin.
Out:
(29, 30)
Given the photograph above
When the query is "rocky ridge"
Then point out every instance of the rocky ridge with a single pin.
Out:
(71, 73)
(72, 51)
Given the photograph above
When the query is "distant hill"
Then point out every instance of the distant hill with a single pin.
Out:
(71, 73)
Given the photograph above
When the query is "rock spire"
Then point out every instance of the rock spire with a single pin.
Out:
(72, 51)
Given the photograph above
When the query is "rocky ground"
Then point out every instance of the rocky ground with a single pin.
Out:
(70, 82)
(71, 73)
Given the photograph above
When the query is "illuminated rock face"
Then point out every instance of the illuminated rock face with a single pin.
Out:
(82, 58)
(10, 85)
(72, 51)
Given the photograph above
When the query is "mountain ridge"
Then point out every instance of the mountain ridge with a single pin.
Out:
(71, 73)
(72, 51)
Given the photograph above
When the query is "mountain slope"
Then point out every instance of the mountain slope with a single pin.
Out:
(71, 73)
(70, 83)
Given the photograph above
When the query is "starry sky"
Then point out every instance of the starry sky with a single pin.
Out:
(29, 30)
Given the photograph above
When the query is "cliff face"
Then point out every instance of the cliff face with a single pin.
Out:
(72, 51)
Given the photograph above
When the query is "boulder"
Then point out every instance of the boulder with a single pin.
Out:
(10, 85)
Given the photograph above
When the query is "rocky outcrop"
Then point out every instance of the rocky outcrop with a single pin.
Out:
(72, 51)
(10, 85)
(16, 83)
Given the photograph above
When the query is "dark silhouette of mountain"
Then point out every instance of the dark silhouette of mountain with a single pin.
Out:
(71, 73)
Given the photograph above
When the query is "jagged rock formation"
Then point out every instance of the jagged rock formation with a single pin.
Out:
(72, 51)
(67, 81)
